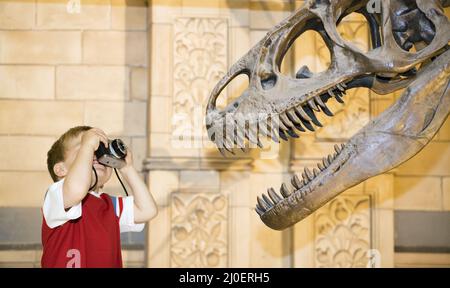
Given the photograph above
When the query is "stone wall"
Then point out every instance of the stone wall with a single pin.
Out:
(196, 188)
(58, 69)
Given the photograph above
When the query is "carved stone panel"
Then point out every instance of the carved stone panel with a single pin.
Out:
(343, 232)
(200, 61)
(198, 230)
(348, 119)
(355, 113)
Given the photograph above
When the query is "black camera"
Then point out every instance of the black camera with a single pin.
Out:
(114, 155)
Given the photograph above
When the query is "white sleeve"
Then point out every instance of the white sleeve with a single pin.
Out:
(126, 220)
(53, 209)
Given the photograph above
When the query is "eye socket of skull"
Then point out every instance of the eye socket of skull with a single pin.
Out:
(354, 28)
(228, 91)
(310, 42)
(325, 44)
(295, 32)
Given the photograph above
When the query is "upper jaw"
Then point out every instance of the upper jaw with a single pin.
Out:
(278, 119)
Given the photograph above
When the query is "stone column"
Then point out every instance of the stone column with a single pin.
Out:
(206, 202)
(356, 228)
(191, 47)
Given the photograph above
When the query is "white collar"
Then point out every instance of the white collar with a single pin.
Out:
(96, 194)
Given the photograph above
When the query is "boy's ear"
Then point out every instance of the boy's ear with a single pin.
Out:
(60, 169)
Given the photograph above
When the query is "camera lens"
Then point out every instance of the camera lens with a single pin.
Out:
(118, 148)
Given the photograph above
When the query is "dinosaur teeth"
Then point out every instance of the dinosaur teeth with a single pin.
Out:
(336, 94)
(245, 149)
(327, 111)
(292, 133)
(281, 123)
(300, 128)
(260, 145)
(315, 172)
(228, 146)
(330, 159)
(262, 128)
(267, 200)
(282, 134)
(309, 174)
(274, 196)
(339, 99)
(305, 180)
(238, 139)
(284, 190)
(304, 176)
(268, 131)
(259, 211)
(285, 120)
(302, 113)
(321, 167)
(274, 137)
(319, 101)
(263, 204)
(304, 73)
(337, 148)
(296, 182)
(228, 140)
(330, 91)
(312, 115)
(251, 134)
(306, 115)
(293, 117)
(301, 118)
(254, 136)
(313, 105)
(309, 126)
(258, 206)
(222, 152)
(294, 121)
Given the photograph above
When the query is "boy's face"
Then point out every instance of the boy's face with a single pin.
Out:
(71, 152)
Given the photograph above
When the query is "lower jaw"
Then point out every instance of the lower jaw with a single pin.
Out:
(304, 201)
(392, 138)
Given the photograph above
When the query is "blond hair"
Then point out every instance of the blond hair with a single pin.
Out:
(56, 153)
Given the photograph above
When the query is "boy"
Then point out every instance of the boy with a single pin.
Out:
(81, 228)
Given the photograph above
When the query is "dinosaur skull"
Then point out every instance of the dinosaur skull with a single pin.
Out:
(280, 106)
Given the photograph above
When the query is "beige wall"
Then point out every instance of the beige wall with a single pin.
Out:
(191, 181)
(58, 70)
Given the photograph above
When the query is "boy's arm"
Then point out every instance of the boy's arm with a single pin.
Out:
(79, 177)
(144, 205)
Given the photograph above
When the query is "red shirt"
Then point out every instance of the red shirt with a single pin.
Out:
(92, 240)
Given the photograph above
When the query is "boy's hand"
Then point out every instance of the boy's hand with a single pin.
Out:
(93, 137)
(128, 161)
